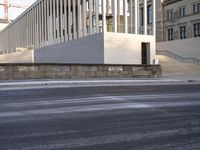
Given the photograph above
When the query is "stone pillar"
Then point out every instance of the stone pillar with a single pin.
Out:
(145, 17)
(90, 17)
(154, 18)
(66, 17)
(84, 17)
(114, 12)
(136, 16)
(125, 16)
(79, 18)
(97, 16)
(104, 16)
(74, 20)
(69, 20)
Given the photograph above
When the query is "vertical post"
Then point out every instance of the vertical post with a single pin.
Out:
(118, 15)
(65, 8)
(90, 17)
(136, 16)
(145, 17)
(69, 20)
(79, 18)
(57, 22)
(84, 18)
(131, 15)
(61, 21)
(45, 21)
(39, 23)
(97, 16)
(104, 15)
(125, 17)
(74, 20)
(154, 18)
(47, 24)
(114, 13)
(42, 25)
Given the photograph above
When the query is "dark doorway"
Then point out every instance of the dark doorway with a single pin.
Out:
(145, 53)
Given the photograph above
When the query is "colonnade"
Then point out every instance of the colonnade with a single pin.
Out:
(49, 22)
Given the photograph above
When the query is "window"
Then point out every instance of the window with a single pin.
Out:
(170, 34)
(169, 15)
(196, 8)
(183, 32)
(197, 30)
(141, 16)
(149, 14)
(182, 12)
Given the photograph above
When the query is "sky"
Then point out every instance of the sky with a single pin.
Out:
(14, 12)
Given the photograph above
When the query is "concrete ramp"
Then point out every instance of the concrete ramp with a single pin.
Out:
(170, 67)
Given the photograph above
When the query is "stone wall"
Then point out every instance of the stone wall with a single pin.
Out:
(53, 71)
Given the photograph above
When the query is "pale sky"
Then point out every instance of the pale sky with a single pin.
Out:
(14, 12)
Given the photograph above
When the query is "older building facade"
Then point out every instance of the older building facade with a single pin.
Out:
(181, 19)
(82, 31)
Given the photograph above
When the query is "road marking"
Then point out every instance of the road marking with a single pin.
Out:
(100, 99)
(97, 107)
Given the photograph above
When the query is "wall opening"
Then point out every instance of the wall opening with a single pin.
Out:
(145, 47)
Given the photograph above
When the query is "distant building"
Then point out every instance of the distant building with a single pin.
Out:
(82, 31)
(181, 29)
(181, 19)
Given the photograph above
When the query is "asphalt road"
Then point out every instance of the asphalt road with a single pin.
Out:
(151, 117)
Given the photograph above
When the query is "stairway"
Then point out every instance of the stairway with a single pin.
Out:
(172, 67)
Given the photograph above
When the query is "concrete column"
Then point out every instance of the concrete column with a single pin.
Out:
(125, 16)
(79, 18)
(145, 17)
(114, 13)
(50, 23)
(104, 16)
(34, 27)
(45, 21)
(74, 20)
(69, 20)
(54, 21)
(65, 16)
(97, 16)
(90, 17)
(42, 27)
(131, 15)
(84, 18)
(57, 22)
(37, 27)
(31, 27)
(118, 15)
(39, 23)
(61, 21)
(136, 16)
(154, 18)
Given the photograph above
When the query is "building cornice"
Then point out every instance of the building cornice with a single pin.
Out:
(168, 2)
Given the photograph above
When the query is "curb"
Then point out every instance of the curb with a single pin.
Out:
(94, 83)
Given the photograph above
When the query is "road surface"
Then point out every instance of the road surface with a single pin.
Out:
(146, 117)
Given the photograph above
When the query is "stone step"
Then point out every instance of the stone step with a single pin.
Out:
(170, 66)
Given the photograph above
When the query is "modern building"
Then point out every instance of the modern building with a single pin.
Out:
(82, 31)
(181, 19)
(3, 23)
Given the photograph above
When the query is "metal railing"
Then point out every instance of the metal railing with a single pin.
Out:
(179, 58)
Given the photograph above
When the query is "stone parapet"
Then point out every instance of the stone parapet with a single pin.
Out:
(54, 71)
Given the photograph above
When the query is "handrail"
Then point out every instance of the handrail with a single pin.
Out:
(179, 58)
